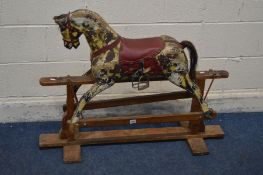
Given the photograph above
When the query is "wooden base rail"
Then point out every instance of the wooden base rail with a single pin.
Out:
(191, 129)
(131, 135)
(143, 119)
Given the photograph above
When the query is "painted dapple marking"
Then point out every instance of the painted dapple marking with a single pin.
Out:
(106, 52)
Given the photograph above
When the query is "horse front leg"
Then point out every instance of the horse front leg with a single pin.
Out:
(95, 89)
(76, 87)
(92, 92)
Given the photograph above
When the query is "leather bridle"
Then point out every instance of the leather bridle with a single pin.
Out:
(71, 30)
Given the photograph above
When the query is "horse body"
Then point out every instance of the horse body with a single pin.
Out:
(114, 57)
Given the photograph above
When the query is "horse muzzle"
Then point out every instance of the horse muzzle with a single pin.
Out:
(69, 45)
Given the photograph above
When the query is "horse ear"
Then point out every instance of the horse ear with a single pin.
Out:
(55, 18)
(60, 20)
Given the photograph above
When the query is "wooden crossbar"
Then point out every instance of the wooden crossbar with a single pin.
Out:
(134, 100)
(140, 119)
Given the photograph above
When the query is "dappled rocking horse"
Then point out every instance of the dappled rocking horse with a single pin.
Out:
(117, 59)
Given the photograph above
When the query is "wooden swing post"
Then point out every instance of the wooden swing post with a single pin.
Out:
(192, 128)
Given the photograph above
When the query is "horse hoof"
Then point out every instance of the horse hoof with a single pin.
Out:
(75, 120)
(73, 132)
(210, 114)
(63, 134)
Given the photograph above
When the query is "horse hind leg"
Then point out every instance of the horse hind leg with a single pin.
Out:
(183, 80)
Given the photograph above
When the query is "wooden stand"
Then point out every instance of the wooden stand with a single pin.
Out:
(192, 127)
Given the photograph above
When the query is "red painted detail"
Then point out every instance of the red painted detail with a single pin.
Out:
(106, 48)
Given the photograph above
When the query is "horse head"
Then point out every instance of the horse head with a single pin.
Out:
(70, 30)
(97, 31)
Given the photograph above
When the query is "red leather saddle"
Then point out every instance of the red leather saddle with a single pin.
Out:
(137, 52)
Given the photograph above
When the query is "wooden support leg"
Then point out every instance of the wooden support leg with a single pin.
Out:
(65, 131)
(72, 153)
(197, 145)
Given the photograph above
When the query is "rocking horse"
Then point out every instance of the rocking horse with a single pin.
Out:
(117, 59)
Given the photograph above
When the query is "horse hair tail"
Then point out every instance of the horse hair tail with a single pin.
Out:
(193, 57)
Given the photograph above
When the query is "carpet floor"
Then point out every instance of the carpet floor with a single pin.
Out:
(239, 152)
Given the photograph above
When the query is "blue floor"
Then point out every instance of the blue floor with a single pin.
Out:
(240, 152)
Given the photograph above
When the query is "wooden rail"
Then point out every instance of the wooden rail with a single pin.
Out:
(89, 79)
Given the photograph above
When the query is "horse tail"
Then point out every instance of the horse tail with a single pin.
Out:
(193, 57)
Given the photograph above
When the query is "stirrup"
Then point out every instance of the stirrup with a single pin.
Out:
(139, 75)
(141, 85)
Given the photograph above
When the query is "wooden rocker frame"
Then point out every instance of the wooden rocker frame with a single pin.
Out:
(191, 129)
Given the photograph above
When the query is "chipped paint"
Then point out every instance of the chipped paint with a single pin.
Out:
(105, 66)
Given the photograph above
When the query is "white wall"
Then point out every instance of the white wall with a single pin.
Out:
(227, 33)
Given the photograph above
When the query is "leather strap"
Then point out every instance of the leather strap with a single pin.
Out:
(71, 30)
(106, 48)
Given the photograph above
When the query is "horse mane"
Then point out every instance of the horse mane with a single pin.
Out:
(91, 15)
